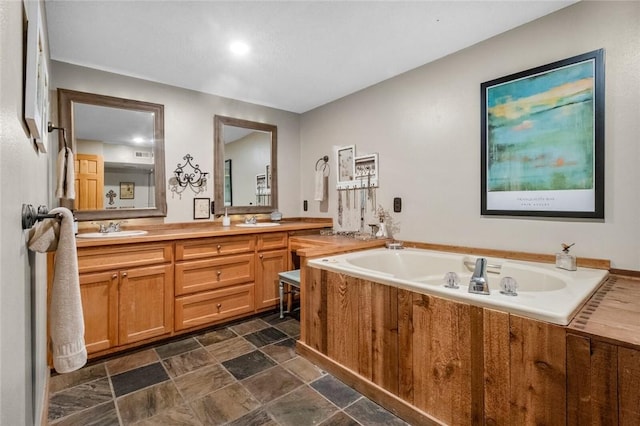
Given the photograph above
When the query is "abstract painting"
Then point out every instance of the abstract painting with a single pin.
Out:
(542, 140)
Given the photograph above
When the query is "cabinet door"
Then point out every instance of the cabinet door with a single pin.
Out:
(268, 265)
(99, 292)
(145, 303)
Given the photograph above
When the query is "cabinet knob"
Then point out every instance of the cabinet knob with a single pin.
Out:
(219, 247)
(124, 274)
(261, 256)
(114, 276)
(218, 274)
(219, 305)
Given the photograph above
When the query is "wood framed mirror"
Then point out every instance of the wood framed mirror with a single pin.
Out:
(251, 185)
(117, 143)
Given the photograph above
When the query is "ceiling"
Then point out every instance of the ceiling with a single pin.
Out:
(303, 54)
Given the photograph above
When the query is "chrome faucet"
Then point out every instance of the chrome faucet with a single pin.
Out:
(111, 227)
(479, 283)
(251, 220)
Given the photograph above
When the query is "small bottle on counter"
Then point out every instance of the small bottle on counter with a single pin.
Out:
(226, 220)
(565, 260)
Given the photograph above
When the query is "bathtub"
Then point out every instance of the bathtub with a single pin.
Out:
(544, 292)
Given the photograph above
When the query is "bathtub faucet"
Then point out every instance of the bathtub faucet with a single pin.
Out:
(479, 283)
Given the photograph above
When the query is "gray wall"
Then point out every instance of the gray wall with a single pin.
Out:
(23, 179)
(425, 125)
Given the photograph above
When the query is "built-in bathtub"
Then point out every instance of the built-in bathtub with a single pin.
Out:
(544, 292)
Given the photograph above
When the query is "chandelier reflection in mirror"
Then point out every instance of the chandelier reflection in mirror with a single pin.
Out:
(186, 176)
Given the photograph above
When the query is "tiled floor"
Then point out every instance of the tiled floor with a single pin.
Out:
(244, 374)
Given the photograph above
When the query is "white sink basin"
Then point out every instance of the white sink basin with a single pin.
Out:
(118, 234)
(257, 225)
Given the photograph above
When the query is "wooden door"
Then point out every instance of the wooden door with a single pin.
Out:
(99, 293)
(89, 177)
(268, 265)
(145, 303)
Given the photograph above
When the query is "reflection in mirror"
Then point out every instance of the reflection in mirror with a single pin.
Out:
(245, 166)
(119, 155)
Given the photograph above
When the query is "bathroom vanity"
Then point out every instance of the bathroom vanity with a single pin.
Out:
(179, 278)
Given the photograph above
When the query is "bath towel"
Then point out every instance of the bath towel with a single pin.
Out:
(66, 324)
(66, 187)
(319, 185)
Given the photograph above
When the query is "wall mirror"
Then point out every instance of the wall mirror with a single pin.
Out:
(246, 179)
(118, 147)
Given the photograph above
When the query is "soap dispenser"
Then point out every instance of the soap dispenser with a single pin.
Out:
(565, 260)
(226, 220)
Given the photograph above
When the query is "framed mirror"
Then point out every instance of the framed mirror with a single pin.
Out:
(118, 147)
(251, 185)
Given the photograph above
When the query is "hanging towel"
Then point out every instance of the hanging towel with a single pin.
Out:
(319, 185)
(66, 324)
(66, 187)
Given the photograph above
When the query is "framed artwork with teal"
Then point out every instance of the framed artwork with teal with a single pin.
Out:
(542, 140)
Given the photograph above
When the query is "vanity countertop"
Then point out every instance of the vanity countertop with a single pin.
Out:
(184, 231)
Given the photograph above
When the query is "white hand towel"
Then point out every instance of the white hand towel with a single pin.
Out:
(66, 187)
(319, 185)
(66, 323)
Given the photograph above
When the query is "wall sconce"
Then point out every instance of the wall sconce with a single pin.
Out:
(188, 176)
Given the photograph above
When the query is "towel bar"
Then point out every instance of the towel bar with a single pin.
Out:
(30, 216)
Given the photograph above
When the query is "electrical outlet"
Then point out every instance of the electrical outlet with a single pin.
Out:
(305, 205)
(397, 205)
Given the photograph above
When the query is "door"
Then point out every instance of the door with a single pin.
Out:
(89, 176)
(99, 293)
(145, 303)
(268, 265)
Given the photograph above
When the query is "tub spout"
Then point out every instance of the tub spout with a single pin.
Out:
(479, 283)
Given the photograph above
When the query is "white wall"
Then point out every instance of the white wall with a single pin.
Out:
(23, 179)
(425, 125)
(188, 128)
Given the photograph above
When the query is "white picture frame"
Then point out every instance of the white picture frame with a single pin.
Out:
(201, 208)
(36, 98)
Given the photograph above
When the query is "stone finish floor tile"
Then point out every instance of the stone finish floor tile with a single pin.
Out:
(368, 412)
(336, 391)
(177, 347)
(224, 405)
(132, 361)
(281, 351)
(303, 368)
(303, 406)
(248, 364)
(187, 362)
(249, 326)
(79, 398)
(139, 378)
(265, 336)
(148, 402)
(271, 384)
(203, 381)
(58, 382)
(181, 415)
(340, 419)
(99, 415)
(230, 349)
(216, 336)
(212, 377)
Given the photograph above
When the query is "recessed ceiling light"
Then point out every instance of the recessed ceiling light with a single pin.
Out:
(239, 47)
(138, 139)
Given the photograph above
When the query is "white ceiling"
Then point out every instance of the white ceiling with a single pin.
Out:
(303, 53)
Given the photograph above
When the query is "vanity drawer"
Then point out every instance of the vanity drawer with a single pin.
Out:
(212, 306)
(209, 274)
(92, 259)
(209, 247)
(272, 240)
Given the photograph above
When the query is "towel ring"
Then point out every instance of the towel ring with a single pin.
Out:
(325, 165)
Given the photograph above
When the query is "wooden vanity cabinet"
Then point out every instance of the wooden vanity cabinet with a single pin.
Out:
(127, 294)
(272, 257)
(214, 280)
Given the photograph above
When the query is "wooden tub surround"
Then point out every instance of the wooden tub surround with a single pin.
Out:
(431, 360)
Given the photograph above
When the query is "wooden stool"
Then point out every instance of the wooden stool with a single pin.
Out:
(292, 280)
